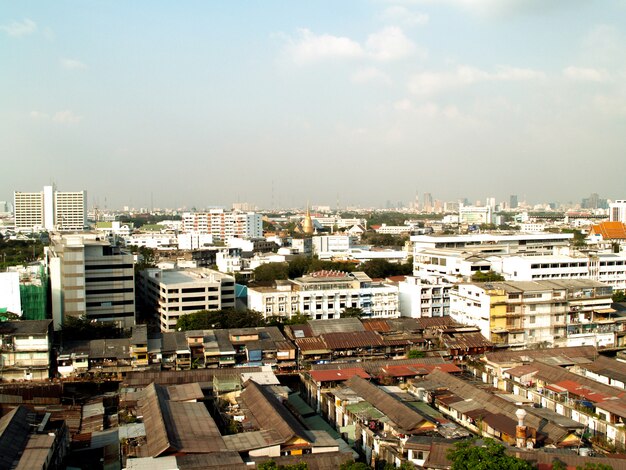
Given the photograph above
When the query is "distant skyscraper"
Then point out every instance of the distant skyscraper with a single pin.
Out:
(428, 203)
(513, 201)
(50, 210)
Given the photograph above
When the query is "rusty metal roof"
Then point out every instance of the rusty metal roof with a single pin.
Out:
(177, 427)
(270, 414)
(337, 375)
(404, 416)
(352, 339)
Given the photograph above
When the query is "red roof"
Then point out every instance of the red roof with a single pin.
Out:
(577, 389)
(337, 375)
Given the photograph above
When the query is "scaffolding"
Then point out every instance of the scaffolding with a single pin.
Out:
(34, 294)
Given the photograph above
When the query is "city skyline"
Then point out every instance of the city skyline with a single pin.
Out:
(278, 103)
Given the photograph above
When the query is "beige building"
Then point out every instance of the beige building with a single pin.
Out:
(175, 292)
(90, 277)
(50, 210)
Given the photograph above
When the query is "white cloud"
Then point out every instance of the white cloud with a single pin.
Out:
(429, 83)
(39, 115)
(586, 74)
(370, 75)
(66, 117)
(73, 64)
(401, 15)
(19, 28)
(389, 44)
(310, 48)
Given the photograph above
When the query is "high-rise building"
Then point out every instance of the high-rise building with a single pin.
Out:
(50, 210)
(428, 203)
(617, 211)
(513, 201)
(90, 277)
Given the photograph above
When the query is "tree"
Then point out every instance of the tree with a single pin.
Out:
(84, 328)
(491, 455)
(619, 296)
(271, 465)
(489, 276)
(299, 266)
(381, 268)
(594, 466)
(352, 312)
(415, 354)
(271, 272)
(354, 466)
(228, 318)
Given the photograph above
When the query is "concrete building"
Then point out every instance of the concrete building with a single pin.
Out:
(325, 295)
(173, 293)
(324, 246)
(424, 296)
(548, 313)
(539, 243)
(50, 210)
(608, 268)
(223, 225)
(25, 349)
(90, 277)
(617, 211)
(10, 293)
(475, 215)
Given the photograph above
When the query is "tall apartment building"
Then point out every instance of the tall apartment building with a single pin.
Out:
(90, 277)
(172, 293)
(50, 210)
(223, 225)
(526, 314)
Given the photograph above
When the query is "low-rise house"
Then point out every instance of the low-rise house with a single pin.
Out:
(483, 412)
(25, 349)
(273, 429)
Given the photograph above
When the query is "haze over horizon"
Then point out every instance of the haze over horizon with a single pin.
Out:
(207, 103)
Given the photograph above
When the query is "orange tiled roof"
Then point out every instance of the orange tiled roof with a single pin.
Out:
(610, 230)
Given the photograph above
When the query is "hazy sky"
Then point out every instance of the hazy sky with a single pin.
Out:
(206, 103)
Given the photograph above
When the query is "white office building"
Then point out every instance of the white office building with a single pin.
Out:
(325, 295)
(608, 268)
(176, 292)
(325, 246)
(50, 210)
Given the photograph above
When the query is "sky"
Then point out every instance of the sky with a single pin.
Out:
(280, 103)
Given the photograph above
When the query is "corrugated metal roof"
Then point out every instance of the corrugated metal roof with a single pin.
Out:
(337, 375)
(339, 325)
(269, 413)
(352, 339)
(177, 426)
(401, 414)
